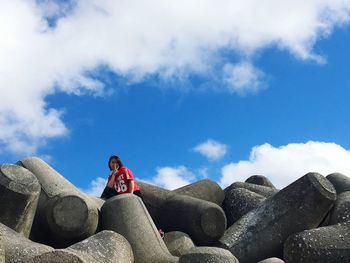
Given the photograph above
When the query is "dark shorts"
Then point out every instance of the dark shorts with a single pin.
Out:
(110, 192)
(139, 194)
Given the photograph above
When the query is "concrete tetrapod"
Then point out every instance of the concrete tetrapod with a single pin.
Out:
(340, 182)
(260, 180)
(259, 189)
(330, 244)
(19, 195)
(272, 260)
(340, 213)
(103, 247)
(238, 202)
(127, 215)
(2, 251)
(207, 255)
(177, 242)
(203, 221)
(206, 189)
(17, 248)
(260, 234)
(66, 214)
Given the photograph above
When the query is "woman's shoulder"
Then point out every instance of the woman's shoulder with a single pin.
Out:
(126, 170)
(123, 169)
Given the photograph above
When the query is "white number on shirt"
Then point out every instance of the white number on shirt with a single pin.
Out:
(121, 186)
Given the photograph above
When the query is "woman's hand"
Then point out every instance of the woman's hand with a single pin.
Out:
(111, 182)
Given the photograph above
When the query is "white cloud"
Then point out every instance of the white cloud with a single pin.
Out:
(285, 164)
(243, 78)
(135, 39)
(211, 149)
(96, 187)
(172, 177)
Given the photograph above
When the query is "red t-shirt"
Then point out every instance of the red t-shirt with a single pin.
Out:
(122, 179)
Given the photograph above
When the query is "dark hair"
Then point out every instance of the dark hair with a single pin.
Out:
(120, 163)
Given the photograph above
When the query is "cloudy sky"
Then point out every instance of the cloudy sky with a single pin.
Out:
(180, 90)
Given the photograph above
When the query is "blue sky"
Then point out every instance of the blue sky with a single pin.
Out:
(180, 92)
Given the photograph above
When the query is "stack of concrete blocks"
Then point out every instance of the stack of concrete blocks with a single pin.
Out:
(204, 221)
(261, 233)
(64, 215)
(251, 221)
(331, 242)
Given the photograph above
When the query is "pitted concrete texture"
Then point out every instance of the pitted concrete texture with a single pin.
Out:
(104, 247)
(208, 255)
(259, 189)
(272, 260)
(60, 256)
(19, 195)
(67, 214)
(340, 182)
(127, 215)
(340, 213)
(328, 244)
(19, 249)
(203, 221)
(177, 242)
(260, 180)
(260, 234)
(238, 202)
(206, 189)
(2, 251)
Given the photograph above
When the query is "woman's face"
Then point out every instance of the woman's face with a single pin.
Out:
(114, 164)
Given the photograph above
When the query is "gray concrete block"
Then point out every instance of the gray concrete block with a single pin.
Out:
(103, 247)
(340, 213)
(177, 242)
(260, 234)
(2, 251)
(19, 249)
(208, 255)
(154, 198)
(127, 215)
(206, 189)
(260, 180)
(72, 216)
(61, 256)
(19, 195)
(98, 202)
(272, 260)
(330, 244)
(238, 202)
(340, 182)
(325, 221)
(259, 189)
(204, 221)
(64, 213)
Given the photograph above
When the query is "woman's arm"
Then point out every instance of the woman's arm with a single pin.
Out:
(130, 180)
